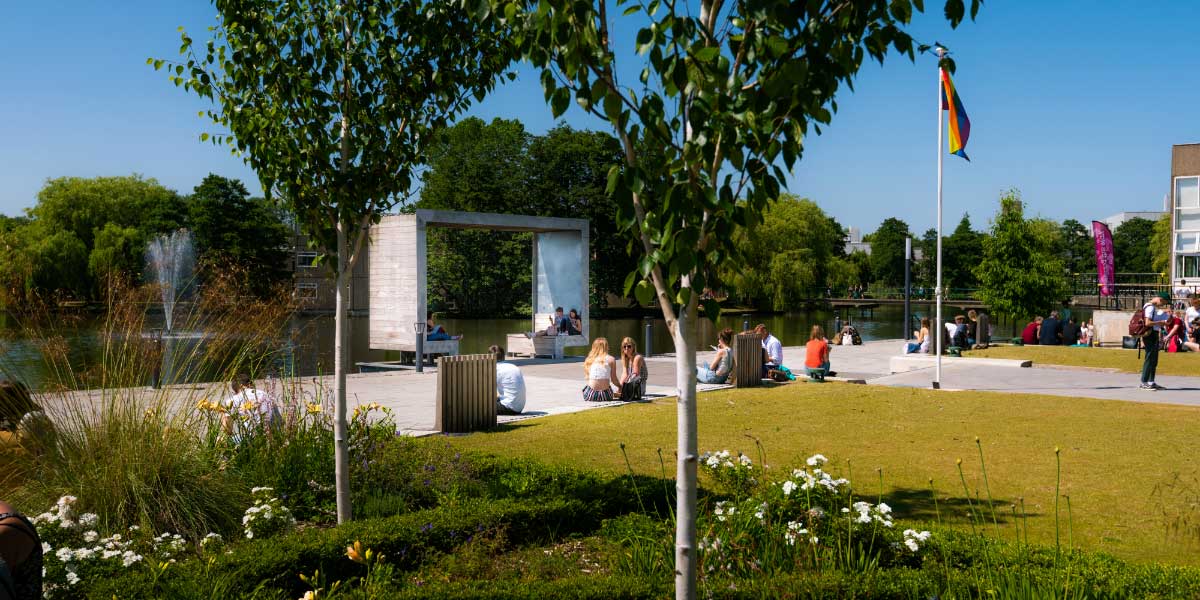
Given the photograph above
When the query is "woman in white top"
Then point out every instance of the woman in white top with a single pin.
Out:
(599, 367)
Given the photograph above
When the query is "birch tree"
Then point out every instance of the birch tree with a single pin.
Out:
(712, 108)
(332, 103)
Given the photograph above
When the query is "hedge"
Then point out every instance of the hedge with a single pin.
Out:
(404, 539)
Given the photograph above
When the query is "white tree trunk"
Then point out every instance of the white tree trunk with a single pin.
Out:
(686, 453)
(341, 444)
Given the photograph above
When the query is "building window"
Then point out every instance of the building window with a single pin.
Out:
(1186, 242)
(306, 291)
(1187, 192)
(306, 260)
(1187, 266)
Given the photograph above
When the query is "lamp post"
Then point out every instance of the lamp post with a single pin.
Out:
(419, 327)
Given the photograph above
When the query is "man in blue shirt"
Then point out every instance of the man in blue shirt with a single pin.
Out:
(1051, 332)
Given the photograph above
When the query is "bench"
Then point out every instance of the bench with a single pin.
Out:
(518, 344)
(445, 347)
(466, 393)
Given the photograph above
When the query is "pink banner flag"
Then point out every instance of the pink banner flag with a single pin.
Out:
(1104, 257)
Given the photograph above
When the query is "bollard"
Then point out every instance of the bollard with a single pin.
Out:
(745, 321)
(837, 323)
(420, 358)
(649, 336)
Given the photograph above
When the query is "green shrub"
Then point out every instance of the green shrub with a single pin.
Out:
(406, 540)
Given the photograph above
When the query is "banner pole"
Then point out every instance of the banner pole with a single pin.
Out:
(941, 328)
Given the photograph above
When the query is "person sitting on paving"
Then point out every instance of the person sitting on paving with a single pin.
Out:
(1029, 335)
(1051, 332)
(773, 347)
(816, 354)
(510, 384)
(979, 335)
(722, 364)
(248, 410)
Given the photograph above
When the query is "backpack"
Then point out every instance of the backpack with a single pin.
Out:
(1137, 324)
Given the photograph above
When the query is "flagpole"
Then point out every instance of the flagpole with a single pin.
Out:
(941, 328)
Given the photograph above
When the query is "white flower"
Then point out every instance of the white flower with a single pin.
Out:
(90, 536)
(85, 554)
(812, 540)
(789, 486)
(107, 554)
(89, 519)
(130, 557)
(64, 555)
(761, 513)
(72, 578)
(795, 529)
(816, 460)
(46, 548)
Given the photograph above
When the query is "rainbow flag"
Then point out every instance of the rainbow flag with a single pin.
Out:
(960, 125)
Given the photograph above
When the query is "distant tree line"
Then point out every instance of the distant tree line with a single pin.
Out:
(84, 231)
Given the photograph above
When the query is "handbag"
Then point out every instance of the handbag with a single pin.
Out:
(631, 390)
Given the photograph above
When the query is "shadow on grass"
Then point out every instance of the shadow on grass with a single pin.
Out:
(917, 504)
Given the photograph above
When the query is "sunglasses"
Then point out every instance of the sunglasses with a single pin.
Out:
(627, 346)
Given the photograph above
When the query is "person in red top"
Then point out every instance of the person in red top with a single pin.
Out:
(816, 357)
(1031, 333)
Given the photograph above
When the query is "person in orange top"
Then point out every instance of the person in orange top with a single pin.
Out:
(816, 357)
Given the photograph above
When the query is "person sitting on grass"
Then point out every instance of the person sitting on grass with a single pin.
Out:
(1191, 318)
(1174, 339)
(1071, 332)
(632, 374)
(599, 367)
(722, 364)
(816, 354)
(510, 384)
(1029, 335)
(435, 332)
(773, 347)
(248, 410)
(960, 336)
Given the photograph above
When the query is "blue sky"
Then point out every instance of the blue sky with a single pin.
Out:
(1075, 103)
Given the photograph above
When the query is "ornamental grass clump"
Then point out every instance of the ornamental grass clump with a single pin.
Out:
(118, 425)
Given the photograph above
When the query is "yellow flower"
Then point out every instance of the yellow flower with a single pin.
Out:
(247, 406)
(356, 553)
(309, 595)
(314, 408)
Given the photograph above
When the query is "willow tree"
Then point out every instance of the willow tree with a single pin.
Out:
(332, 103)
(725, 92)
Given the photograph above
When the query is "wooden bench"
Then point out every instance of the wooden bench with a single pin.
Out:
(445, 347)
(552, 346)
(466, 393)
(747, 360)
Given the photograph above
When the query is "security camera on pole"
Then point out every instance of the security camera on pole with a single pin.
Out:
(960, 130)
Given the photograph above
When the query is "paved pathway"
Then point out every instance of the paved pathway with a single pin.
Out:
(553, 387)
(962, 374)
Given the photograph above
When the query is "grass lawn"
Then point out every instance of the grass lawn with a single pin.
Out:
(1115, 455)
(1187, 363)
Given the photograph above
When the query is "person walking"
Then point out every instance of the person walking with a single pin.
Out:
(1156, 319)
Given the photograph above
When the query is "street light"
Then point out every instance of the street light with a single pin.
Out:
(419, 327)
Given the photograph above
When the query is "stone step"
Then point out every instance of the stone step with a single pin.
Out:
(913, 362)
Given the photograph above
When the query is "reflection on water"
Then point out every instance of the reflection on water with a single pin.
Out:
(307, 346)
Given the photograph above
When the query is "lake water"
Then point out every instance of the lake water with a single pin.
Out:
(308, 349)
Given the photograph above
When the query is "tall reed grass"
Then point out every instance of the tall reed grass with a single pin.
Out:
(133, 453)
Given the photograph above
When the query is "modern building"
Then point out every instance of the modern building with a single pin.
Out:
(1118, 219)
(315, 287)
(1185, 216)
(854, 241)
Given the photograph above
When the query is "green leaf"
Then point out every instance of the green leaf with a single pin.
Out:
(644, 292)
(707, 53)
(559, 101)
